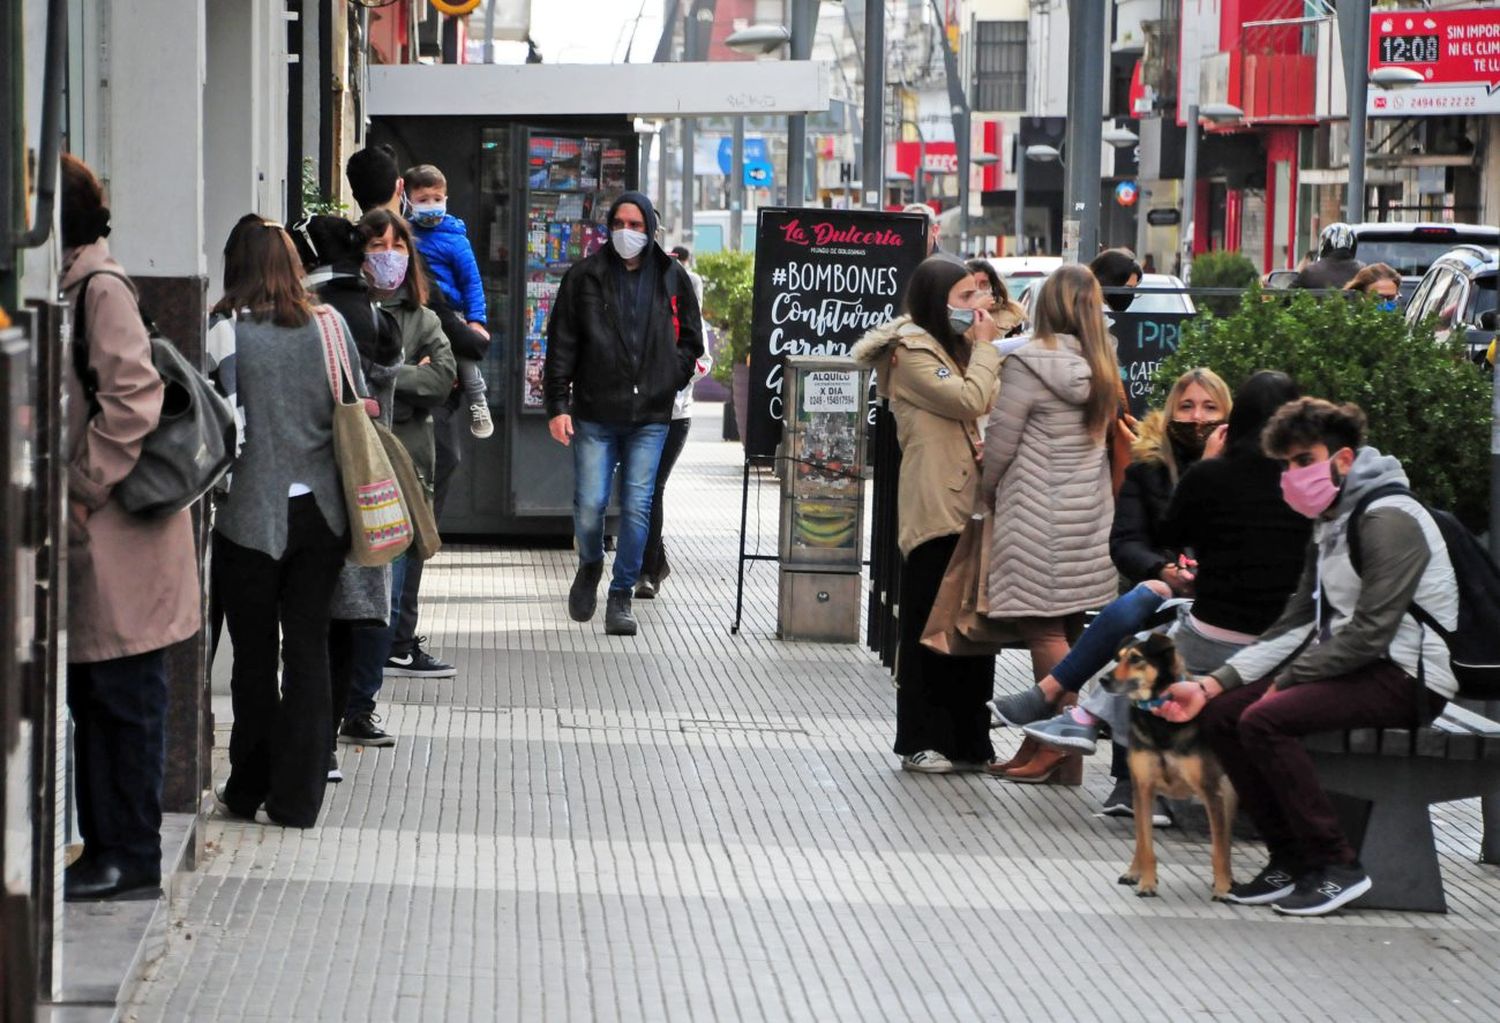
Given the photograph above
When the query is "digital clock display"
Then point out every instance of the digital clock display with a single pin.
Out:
(1409, 49)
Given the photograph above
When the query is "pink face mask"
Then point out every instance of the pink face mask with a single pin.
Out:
(1309, 490)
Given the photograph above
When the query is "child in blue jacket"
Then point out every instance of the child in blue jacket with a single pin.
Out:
(444, 244)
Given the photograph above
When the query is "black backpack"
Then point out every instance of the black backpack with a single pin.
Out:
(1474, 645)
(192, 446)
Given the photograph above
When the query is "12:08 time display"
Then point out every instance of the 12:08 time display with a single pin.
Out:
(1408, 49)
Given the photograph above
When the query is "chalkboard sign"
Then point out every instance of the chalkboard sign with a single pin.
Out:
(822, 279)
(1145, 339)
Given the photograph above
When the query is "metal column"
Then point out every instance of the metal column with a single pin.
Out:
(737, 185)
(804, 25)
(1086, 62)
(1189, 190)
(872, 174)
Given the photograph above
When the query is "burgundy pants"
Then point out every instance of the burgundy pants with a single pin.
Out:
(1257, 735)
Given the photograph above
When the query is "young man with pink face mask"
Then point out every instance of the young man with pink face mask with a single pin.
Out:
(1345, 653)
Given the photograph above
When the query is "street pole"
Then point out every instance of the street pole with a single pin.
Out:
(1489, 849)
(1086, 61)
(872, 174)
(1358, 89)
(737, 185)
(1189, 190)
(804, 25)
(1020, 197)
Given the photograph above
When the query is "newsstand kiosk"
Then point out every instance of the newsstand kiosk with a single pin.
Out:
(534, 155)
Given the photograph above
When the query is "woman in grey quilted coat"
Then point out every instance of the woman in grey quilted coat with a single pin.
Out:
(1045, 465)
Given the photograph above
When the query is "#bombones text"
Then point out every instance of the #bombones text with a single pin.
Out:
(838, 277)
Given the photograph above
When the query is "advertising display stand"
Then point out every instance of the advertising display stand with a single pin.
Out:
(823, 278)
(822, 460)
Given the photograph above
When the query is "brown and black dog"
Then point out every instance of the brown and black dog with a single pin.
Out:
(1168, 758)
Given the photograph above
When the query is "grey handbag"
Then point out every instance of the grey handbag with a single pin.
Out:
(192, 446)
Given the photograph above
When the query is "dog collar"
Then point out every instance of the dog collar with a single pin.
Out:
(1151, 704)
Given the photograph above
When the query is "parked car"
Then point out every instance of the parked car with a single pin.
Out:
(1168, 301)
(1411, 249)
(1459, 292)
(1278, 280)
(1019, 273)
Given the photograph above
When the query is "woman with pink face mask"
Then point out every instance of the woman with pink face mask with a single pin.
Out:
(423, 382)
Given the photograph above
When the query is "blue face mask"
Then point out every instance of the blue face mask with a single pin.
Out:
(1388, 305)
(429, 214)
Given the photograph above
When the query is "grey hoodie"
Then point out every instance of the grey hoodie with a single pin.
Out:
(1363, 617)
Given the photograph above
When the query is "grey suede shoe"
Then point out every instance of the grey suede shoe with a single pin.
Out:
(618, 621)
(583, 596)
(1018, 709)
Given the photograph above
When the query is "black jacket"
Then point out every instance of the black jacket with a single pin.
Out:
(375, 332)
(1327, 272)
(1250, 546)
(1136, 544)
(590, 370)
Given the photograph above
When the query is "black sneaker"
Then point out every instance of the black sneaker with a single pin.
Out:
(1272, 883)
(418, 663)
(334, 774)
(1121, 800)
(1325, 890)
(645, 588)
(363, 730)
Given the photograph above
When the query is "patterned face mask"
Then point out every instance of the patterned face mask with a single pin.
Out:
(386, 270)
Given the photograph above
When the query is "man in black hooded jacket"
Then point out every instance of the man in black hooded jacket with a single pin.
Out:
(622, 341)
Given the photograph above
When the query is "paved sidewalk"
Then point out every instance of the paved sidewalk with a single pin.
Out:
(693, 826)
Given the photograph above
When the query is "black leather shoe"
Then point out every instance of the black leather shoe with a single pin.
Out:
(95, 881)
(583, 596)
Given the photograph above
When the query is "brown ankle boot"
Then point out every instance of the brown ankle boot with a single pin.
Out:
(1048, 765)
(1029, 748)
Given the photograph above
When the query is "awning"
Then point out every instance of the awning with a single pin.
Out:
(640, 90)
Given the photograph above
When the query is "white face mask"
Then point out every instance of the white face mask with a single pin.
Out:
(628, 243)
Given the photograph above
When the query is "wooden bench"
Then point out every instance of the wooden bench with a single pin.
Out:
(1382, 782)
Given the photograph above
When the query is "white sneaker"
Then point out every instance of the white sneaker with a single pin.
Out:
(928, 761)
(480, 423)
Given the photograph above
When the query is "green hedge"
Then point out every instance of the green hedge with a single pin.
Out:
(728, 293)
(1427, 403)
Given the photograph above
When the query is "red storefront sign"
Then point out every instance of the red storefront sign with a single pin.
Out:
(942, 157)
(1457, 52)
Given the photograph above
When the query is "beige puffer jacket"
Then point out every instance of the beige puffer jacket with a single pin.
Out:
(937, 407)
(1050, 481)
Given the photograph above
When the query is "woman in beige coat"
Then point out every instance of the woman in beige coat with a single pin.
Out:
(937, 368)
(1046, 469)
(132, 582)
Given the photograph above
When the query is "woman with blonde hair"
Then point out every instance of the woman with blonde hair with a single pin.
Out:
(1046, 471)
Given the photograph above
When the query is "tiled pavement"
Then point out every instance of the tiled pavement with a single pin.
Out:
(695, 826)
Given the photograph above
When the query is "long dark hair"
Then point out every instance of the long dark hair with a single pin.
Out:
(263, 274)
(927, 302)
(997, 286)
(1254, 404)
(375, 224)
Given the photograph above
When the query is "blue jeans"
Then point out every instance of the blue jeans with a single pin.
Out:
(370, 649)
(1121, 618)
(598, 448)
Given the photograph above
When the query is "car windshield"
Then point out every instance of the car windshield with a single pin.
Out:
(1410, 257)
(1016, 285)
